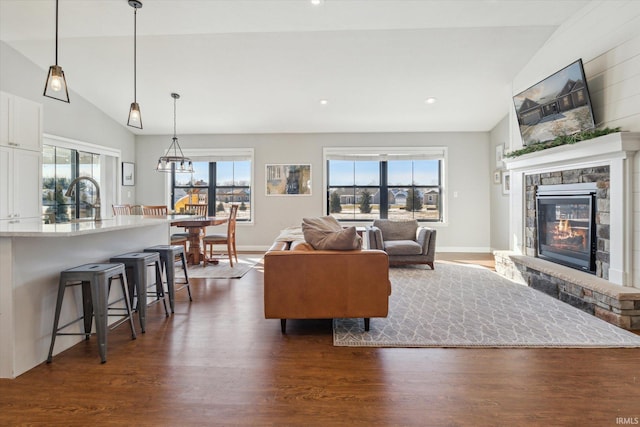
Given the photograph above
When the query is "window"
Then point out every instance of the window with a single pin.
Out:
(398, 184)
(60, 166)
(218, 181)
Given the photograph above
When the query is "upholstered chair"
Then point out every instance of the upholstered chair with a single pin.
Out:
(404, 241)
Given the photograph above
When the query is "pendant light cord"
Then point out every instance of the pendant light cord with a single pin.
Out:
(135, 53)
(56, 32)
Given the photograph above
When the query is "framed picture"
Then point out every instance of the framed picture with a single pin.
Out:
(497, 177)
(128, 174)
(506, 182)
(288, 180)
(499, 155)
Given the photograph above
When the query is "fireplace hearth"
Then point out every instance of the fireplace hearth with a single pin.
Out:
(566, 225)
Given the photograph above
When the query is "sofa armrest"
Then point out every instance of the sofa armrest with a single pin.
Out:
(426, 237)
(374, 237)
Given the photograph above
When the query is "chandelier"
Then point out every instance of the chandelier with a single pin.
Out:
(174, 155)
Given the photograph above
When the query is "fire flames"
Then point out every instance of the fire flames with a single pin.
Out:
(564, 236)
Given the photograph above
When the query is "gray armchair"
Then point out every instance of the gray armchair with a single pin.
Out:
(404, 241)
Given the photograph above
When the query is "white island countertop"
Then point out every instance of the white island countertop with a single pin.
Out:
(35, 227)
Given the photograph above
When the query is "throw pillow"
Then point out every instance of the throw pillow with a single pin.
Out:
(325, 233)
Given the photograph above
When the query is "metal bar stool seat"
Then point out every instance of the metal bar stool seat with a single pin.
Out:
(168, 255)
(136, 264)
(95, 280)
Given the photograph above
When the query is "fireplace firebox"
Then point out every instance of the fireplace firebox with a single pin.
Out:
(566, 224)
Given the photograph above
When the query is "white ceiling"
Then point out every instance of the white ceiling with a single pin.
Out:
(262, 66)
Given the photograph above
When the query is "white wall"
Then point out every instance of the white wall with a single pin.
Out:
(499, 135)
(468, 175)
(78, 120)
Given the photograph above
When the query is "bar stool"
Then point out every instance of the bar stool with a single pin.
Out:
(168, 254)
(136, 264)
(95, 280)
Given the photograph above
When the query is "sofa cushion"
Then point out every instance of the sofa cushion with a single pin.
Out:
(397, 230)
(326, 233)
(402, 247)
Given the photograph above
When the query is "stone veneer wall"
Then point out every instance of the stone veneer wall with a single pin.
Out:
(599, 175)
(615, 304)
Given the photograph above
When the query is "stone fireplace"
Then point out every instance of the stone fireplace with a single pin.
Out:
(575, 225)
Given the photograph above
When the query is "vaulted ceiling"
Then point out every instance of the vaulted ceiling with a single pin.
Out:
(263, 66)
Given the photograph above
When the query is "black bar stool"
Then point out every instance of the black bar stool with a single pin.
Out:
(168, 255)
(136, 264)
(95, 280)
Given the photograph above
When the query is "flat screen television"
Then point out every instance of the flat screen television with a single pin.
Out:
(558, 105)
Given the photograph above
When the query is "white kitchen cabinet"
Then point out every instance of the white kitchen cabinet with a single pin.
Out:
(20, 122)
(20, 183)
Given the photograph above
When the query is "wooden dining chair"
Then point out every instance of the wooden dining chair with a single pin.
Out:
(228, 239)
(121, 209)
(161, 210)
(155, 210)
(197, 209)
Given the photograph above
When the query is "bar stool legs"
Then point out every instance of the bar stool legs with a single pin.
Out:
(95, 280)
(168, 254)
(136, 264)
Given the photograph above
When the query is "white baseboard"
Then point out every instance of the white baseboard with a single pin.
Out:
(471, 249)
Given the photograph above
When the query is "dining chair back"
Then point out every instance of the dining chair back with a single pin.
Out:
(228, 239)
(197, 209)
(154, 210)
(121, 209)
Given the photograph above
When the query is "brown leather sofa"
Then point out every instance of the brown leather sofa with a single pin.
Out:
(303, 283)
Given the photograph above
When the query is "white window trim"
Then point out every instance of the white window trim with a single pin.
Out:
(391, 153)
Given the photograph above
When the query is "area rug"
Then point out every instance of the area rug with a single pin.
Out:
(223, 270)
(470, 306)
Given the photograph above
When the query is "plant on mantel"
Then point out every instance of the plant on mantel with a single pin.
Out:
(562, 140)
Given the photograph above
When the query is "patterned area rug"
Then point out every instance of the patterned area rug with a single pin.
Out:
(222, 270)
(470, 306)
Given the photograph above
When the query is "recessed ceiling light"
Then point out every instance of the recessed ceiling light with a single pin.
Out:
(430, 100)
(323, 102)
(316, 2)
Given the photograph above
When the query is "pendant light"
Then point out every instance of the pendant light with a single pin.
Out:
(135, 119)
(174, 155)
(56, 85)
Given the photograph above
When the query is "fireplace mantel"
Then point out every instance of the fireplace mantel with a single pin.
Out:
(616, 150)
(613, 145)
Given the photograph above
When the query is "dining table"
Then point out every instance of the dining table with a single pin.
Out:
(195, 226)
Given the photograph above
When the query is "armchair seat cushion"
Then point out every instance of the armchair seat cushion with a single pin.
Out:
(402, 247)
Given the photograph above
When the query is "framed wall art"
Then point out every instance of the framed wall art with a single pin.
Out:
(288, 180)
(128, 174)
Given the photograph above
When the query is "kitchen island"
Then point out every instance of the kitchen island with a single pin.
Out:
(33, 254)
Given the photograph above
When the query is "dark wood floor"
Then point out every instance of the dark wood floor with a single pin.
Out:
(217, 361)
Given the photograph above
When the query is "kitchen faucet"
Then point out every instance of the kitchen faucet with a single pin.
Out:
(96, 206)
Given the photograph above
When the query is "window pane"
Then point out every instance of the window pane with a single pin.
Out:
(367, 173)
(49, 180)
(426, 172)
(354, 203)
(242, 174)
(200, 176)
(65, 208)
(226, 196)
(414, 203)
(340, 172)
(224, 173)
(184, 196)
(400, 172)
